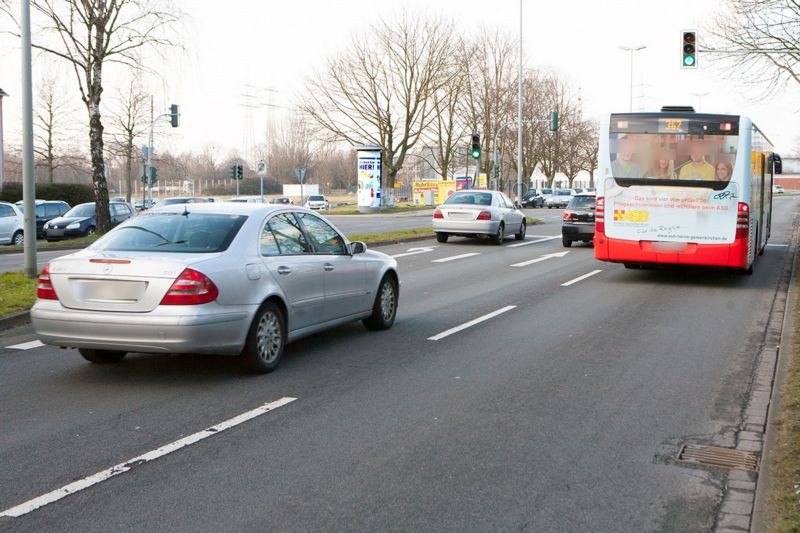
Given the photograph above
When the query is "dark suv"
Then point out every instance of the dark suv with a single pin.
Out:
(46, 210)
(578, 220)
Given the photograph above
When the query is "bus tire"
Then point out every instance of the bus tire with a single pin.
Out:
(631, 266)
(747, 271)
(761, 251)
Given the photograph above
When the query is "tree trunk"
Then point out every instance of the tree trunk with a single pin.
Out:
(128, 169)
(103, 220)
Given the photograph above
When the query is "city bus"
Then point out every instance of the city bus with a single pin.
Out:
(683, 188)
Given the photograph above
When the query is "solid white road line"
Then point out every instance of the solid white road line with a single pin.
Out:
(471, 323)
(580, 278)
(72, 488)
(526, 243)
(454, 257)
(26, 345)
(545, 257)
(781, 245)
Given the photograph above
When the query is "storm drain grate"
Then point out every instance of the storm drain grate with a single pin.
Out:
(719, 457)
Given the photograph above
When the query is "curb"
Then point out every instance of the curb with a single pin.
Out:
(17, 319)
(401, 240)
(45, 249)
(744, 490)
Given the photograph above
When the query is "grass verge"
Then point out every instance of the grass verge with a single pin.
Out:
(783, 503)
(17, 292)
(372, 238)
(400, 208)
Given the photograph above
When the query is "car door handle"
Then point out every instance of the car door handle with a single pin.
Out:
(284, 270)
(328, 267)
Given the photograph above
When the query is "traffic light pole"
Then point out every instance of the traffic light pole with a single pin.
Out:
(149, 164)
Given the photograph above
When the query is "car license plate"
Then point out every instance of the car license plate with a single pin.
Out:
(55, 233)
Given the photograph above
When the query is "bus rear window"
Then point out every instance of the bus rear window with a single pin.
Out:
(671, 152)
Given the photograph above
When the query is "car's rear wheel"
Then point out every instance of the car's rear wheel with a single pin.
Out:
(500, 236)
(18, 239)
(384, 310)
(566, 242)
(102, 357)
(266, 340)
(442, 237)
(90, 231)
(522, 229)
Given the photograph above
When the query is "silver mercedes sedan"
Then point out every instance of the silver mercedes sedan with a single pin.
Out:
(219, 278)
(474, 213)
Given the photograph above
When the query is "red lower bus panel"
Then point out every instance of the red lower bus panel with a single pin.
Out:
(715, 255)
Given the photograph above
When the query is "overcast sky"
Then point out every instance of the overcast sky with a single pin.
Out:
(235, 45)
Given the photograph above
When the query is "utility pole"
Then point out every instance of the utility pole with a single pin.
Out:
(28, 176)
(631, 50)
(2, 149)
(519, 109)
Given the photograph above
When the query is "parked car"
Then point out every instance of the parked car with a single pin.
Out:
(281, 201)
(248, 200)
(578, 219)
(532, 198)
(559, 198)
(118, 199)
(11, 224)
(80, 221)
(471, 213)
(317, 201)
(139, 205)
(225, 280)
(778, 189)
(46, 210)
(181, 200)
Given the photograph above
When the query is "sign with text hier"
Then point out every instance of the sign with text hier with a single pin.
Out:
(369, 176)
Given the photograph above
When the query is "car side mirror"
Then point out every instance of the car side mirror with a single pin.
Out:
(357, 247)
(517, 205)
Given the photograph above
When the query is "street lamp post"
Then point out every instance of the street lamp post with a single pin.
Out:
(631, 50)
(2, 151)
(699, 97)
(519, 109)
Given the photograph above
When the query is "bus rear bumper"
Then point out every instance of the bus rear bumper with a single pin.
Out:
(733, 255)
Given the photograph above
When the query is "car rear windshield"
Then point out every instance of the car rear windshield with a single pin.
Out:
(582, 202)
(174, 232)
(316, 198)
(477, 198)
(562, 193)
(83, 210)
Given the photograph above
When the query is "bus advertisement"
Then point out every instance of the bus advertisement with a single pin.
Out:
(679, 188)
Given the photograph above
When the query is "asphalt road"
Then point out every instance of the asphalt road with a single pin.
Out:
(557, 414)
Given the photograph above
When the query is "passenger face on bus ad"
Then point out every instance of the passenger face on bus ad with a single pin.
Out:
(723, 171)
(697, 151)
(625, 150)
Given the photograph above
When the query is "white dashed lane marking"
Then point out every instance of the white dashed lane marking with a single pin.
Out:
(581, 278)
(26, 345)
(76, 486)
(471, 323)
(526, 243)
(454, 257)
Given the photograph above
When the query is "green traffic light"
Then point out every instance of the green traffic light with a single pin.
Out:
(688, 60)
(476, 154)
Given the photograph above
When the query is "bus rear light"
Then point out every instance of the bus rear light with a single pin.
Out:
(44, 286)
(742, 221)
(726, 126)
(438, 214)
(484, 215)
(567, 216)
(600, 215)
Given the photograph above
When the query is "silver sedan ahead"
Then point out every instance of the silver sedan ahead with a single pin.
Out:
(214, 278)
(471, 213)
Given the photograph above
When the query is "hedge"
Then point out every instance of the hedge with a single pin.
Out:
(71, 193)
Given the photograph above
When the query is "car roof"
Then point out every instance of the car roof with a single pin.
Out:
(224, 208)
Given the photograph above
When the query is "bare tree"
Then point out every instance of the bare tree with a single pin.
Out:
(761, 38)
(88, 35)
(293, 146)
(50, 118)
(128, 122)
(381, 90)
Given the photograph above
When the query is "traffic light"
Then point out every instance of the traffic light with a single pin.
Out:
(475, 147)
(554, 121)
(153, 175)
(233, 171)
(239, 172)
(689, 49)
(173, 110)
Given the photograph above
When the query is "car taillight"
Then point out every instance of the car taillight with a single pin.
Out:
(742, 221)
(600, 215)
(438, 214)
(484, 215)
(567, 216)
(44, 287)
(191, 288)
